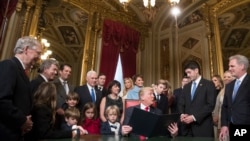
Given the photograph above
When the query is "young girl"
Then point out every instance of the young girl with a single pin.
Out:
(43, 114)
(111, 126)
(90, 120)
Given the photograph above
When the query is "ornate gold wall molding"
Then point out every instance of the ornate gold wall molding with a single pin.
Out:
(225, 5)
(215, 11)
(19, 5)
(33, 27)
(86, 51)
(129, 18)
(29, 4)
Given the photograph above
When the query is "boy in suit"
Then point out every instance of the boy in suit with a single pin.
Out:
(72, 116)
(111, 126)
(160, 98)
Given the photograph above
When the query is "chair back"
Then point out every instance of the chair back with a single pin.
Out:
(131, 102)
(134, 102)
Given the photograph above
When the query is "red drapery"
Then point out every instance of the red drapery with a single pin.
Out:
(7, 7)
(118, 39)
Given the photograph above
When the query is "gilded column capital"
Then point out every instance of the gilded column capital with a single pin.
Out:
(29, 3)
(19, 5)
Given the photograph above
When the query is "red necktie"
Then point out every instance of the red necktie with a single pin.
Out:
(141, 136)
(26, 71)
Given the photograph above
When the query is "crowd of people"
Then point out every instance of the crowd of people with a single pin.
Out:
(48, 107)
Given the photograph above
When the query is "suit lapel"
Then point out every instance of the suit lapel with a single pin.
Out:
(198, 88)
(188, 88)
(20, 69)
(242, 85)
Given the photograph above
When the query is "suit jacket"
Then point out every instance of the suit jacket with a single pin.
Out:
(15, 99)
(35, 83)
(85, 96)
(163, 103)
(61, 93)
(201, 107)
(104, 91)
(106, 129)
(42, 127)
(239, 109)
(177, 94)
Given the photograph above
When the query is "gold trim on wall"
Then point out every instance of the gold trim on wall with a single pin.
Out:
(216, 10)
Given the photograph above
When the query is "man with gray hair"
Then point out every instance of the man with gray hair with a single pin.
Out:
(236, 103)
(47, 72)
(15, 96)
(87, 92)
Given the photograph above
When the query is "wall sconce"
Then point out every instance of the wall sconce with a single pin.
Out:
(46, 51)
(125, 4)
(149, 3)
(174, 2)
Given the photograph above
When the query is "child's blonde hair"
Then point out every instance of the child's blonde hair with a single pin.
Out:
(113, 109)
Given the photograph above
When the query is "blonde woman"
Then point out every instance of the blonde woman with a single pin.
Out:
(227, 78)
(128, 85)
(218, 83)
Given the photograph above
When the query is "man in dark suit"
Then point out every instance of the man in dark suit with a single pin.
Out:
(62, 88)
(236, 103)
(47, 72)
(177, 94)
(62, 85)
(101, 84)
(146, 96)
(15, 96)
(197, 103)
(160, 98)
(88, 93)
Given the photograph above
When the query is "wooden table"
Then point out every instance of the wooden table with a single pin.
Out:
(118, 138)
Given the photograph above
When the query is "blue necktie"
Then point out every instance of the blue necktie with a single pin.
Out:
(93, 95)
(236, 87)
(193, 90)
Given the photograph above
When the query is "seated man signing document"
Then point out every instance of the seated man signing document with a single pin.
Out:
(146, 96)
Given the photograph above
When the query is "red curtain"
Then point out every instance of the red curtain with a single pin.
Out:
(7, 7)
(118, 39)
